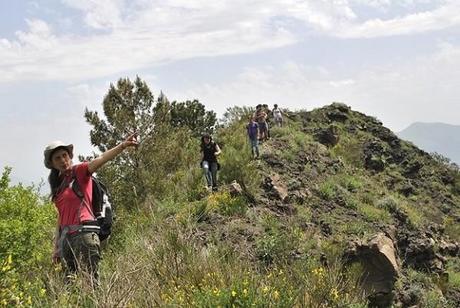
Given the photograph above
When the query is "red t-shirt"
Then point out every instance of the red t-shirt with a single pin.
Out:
(69, 204)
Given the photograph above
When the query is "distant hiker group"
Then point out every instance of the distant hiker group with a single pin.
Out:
(258, 128)
(258, 131)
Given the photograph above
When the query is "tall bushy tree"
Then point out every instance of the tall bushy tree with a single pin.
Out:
(192, 115)
(236, 114)
(128, 107)
(166, 150)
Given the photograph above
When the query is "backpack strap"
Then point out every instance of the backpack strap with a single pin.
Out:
(76, 189)
(99, 197)
(75, 185)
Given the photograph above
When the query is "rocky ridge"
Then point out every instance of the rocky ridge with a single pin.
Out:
(392, 172)
(342, 177)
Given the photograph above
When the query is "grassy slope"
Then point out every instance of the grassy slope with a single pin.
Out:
(196, 249)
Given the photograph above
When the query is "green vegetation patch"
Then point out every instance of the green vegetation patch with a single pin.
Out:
(374, 214)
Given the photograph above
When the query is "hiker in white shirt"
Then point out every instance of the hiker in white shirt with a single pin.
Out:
(277, 115)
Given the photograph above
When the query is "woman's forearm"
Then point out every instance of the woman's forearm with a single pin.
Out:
(110, 154)
(105, 157)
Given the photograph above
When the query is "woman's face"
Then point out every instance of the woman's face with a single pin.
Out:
(61, 160)
(206, 140)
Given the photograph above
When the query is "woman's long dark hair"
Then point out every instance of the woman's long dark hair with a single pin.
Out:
(55, 182)
(202, 141)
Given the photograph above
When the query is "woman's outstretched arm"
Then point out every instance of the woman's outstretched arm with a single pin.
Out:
(110, 154)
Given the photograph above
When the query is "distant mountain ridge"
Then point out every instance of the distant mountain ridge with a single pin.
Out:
(435, 137)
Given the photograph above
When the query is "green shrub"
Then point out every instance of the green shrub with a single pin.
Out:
(227, 205)
(433, 299)
(357, 228)
(367, 198)
(392, 205)
(236, 161)
(350, 202)
(242, 288)
(350, 150)
(452, 228)
(416, 218)
(327, 190)
(350, 183)
(276, 243)
(388, 203)
(374, 214)
(26, 224)
(331, 286)
(453, 269)
(195, 212)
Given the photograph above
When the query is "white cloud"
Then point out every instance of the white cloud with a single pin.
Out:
(443, 17)
(421, 90)
(324, 15)
(385, 4)
(341, 83)
(139, 34)
(147, 37)
(39, 35)
(99, 14)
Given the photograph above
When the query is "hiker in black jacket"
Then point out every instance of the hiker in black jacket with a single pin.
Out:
(209, 162)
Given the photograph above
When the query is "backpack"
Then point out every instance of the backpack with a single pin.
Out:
(102, 210)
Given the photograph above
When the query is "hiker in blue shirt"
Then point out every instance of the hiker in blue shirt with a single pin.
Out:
(253, 134)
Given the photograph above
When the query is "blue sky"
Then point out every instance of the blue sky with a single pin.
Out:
(398, 60)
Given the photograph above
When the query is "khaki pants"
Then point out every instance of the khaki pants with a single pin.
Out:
(82, 251)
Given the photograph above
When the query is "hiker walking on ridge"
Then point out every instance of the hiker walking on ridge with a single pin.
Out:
(261, 118)
(209, 162)
(253, 129)
(277, 115)
(268, 112)
(77, 242)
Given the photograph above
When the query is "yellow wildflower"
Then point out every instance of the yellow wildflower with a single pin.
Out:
(318, 272)
(276, 295)
(245, 292)
(265, 289)
(334, 294)
(7, 265)
(233, 293)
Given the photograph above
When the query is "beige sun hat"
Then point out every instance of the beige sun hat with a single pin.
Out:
(49, 149)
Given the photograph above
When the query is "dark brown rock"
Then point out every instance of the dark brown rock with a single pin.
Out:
(327, 136)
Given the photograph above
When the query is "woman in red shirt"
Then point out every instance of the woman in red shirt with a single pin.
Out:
(77, 242)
